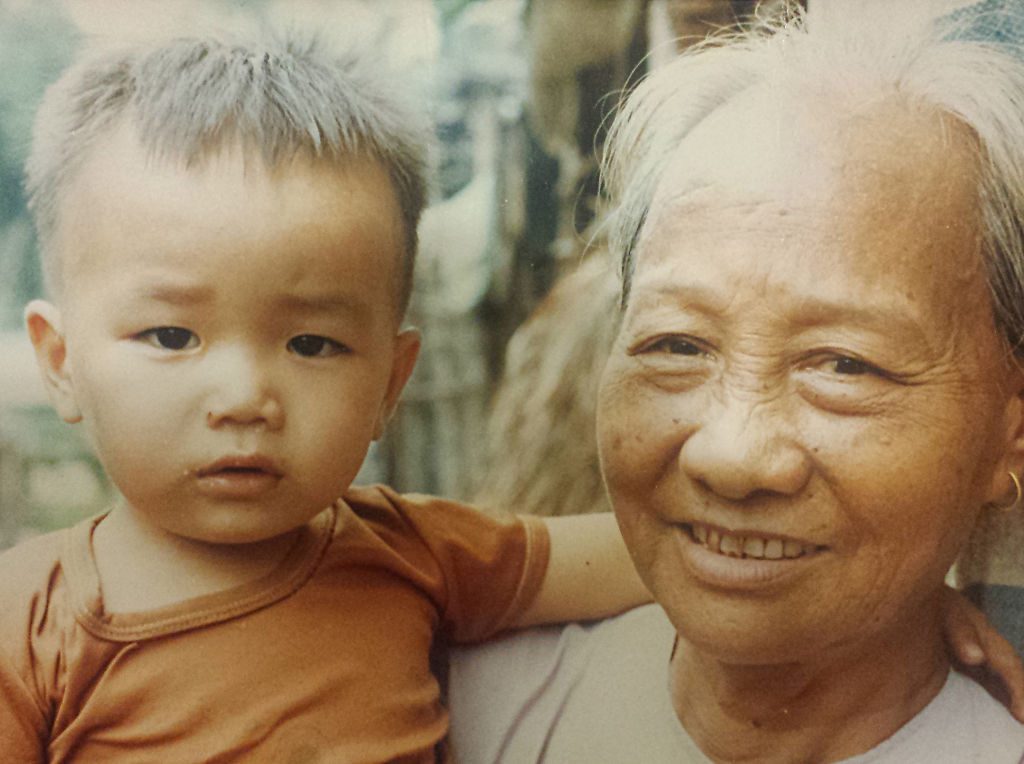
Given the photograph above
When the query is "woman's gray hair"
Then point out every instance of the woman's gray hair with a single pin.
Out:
(189, 97)
(867, 49)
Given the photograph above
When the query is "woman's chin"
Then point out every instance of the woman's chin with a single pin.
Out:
(742, 642)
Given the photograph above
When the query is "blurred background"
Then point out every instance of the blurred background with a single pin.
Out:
(520, 91)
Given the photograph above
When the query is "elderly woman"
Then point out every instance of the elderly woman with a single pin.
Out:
(814, 393)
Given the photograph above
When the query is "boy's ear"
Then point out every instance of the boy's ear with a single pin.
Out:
(407, 350)
(45, 330)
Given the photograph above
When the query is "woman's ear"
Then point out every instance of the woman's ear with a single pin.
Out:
(407, 350)
(1002, 491)
(45, 330)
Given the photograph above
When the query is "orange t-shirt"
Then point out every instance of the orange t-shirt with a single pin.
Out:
(324, 660)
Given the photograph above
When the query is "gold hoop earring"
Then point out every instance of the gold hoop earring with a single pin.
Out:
(1018, 494)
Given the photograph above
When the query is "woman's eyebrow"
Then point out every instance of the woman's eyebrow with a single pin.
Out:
(887, 316)
(692, 296)
(800, 310)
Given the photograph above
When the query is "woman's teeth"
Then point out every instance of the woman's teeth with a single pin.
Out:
(754, 547)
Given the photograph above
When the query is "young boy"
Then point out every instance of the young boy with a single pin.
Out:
(228, 236)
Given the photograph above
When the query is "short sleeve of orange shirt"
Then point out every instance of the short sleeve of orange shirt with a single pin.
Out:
(482, 571)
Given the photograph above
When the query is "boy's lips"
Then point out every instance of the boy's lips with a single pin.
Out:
(241, 464)
(239, 477)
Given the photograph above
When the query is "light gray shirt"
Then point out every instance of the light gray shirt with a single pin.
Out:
(598, 693)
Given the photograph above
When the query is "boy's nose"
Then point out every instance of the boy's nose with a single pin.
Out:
(743, 448)
(242, 394)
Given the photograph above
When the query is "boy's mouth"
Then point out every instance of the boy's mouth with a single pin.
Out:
(239, 478)
(253, 464)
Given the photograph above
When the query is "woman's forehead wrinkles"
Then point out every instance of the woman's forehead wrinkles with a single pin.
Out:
(719, 214)
(843, 221)
(676, 287)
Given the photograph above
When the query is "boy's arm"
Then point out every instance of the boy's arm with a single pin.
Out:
(589, 574)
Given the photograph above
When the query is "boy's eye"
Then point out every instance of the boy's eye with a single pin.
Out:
(313, 346)
(169, 338)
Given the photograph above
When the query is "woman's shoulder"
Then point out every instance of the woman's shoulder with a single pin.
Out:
(578, 692)
(963, 724)
(996, 736)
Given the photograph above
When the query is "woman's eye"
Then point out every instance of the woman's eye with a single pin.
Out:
(845, 384)
(852, 366)
(675, 346)
(169, 338)
(315, 346)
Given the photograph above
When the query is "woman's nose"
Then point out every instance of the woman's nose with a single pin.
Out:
(745, 447)
(242, 392)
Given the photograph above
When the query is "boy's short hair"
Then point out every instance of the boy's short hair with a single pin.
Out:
(188, 97)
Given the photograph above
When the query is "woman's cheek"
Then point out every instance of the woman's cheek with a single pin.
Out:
(640, 432)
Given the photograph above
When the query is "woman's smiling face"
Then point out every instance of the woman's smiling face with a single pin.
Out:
(808, 402)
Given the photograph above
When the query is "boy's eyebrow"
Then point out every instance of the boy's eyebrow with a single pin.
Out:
(323, 303)
(179, 295)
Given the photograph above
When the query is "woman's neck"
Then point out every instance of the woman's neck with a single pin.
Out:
(823, 709)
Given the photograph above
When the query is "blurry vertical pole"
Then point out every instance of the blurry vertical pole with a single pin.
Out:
(580, 54)
(434, 442)
(693, 20)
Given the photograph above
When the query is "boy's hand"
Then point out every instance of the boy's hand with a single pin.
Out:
(975, 642)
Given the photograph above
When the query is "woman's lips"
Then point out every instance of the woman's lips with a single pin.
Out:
(743, 560)
(748, 544)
